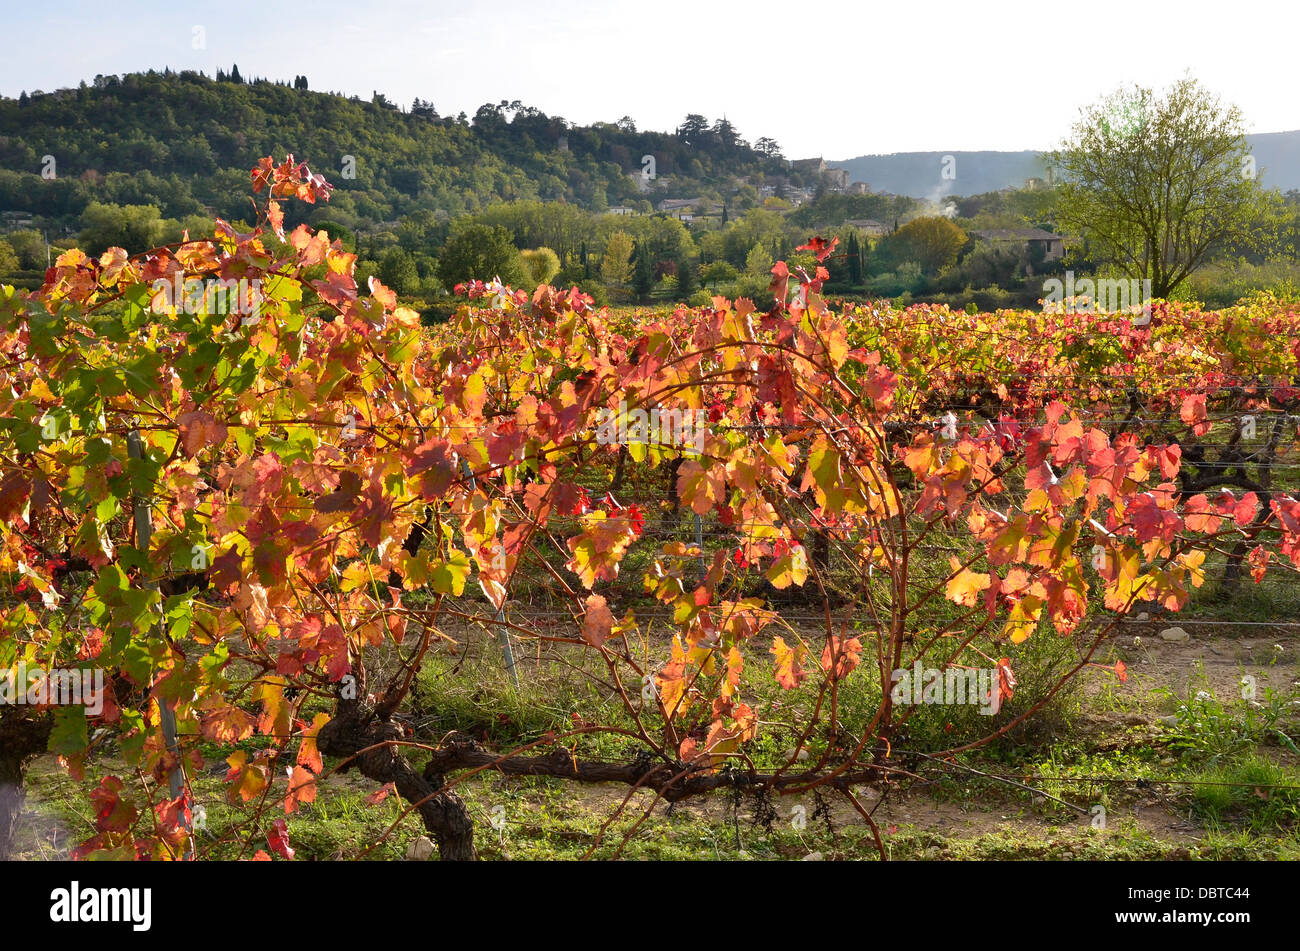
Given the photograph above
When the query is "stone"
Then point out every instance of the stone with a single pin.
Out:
(1174, 634)
(421, 850)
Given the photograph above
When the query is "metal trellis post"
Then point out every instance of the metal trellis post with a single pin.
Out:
(503, 632)
(166, 716)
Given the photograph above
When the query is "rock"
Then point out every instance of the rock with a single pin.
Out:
(803, 755)
(1175, 634)
(1144, 616)
(1170, 720)
(421, 850)
(813, 857)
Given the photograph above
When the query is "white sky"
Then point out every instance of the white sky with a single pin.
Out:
(836, 79)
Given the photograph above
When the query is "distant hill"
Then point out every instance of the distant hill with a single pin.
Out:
(1278, 157)
(185, 142)
(920, 174)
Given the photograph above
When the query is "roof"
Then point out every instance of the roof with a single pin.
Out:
(1017, 234)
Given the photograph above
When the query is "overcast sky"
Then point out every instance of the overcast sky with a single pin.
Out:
(836, 79)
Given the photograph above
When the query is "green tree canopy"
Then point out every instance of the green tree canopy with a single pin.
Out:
(932, 242)
(543, 264)
(133, 227)
(477, 252)
(8, 258)
(30, 248)
(397, 270)
(616, 265)
(1154, 182)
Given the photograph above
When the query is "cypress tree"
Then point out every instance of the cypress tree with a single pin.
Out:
(685, 279)
(643, 280)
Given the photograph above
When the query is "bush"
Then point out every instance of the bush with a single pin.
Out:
(542, 264)
(439, 312)
(906, 279)
(1225, 284)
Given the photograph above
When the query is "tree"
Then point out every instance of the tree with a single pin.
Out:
(133, 227)
(694, 129)
(477, 252)
(543, 264)
(30, 248)
(718, 272)
(398, 272)
(616, 265)
(8, 258)
(335, 230)
(726, 134)
(488, 118)
(853, 259)
(758, 262)
(932, 242)
(643, 276)
(234, 74)
(1155, 181)
(685, 279)
(559, 226)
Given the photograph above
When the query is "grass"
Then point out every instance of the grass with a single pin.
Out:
(547, 819)
(1252, 793)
